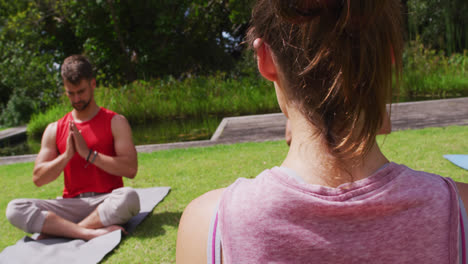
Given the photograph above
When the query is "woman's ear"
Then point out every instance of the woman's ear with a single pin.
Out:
(265, 62)
(386, 125)
(93, 83)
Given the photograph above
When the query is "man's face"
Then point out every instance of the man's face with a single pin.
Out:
(80, 95)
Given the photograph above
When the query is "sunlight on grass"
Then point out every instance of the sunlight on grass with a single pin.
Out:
(192, 172)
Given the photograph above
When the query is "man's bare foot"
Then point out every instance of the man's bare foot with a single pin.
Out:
(105, 230)
(93, 233)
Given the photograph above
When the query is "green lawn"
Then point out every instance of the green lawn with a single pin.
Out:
(192, 172)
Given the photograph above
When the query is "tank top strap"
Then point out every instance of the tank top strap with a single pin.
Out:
(463, 247)
(462, 223)
(214, 240)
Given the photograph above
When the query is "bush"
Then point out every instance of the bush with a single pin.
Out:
(28, 74)
(426, 73)
(18, 110)
(39, 121)
(430, 73)
(169, 98)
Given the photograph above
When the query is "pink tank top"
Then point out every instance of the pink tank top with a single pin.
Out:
(397, 215)
(98, 135)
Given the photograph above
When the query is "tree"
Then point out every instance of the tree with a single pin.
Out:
(441, 24)
(126, 40)
(27, 78)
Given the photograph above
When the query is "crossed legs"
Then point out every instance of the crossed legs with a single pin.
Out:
(55, 225)
(83, 218)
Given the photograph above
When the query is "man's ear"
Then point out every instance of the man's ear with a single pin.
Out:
(265, 62)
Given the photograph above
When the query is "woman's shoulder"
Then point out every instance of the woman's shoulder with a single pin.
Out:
(435, 180)
(413, 176)
(194, 226)
(463, 191)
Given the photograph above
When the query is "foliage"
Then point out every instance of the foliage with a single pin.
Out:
(130, 40)
(194, 171)
(153, 39)
(427, 73)
(169, 98)
(431, 73)
(27, 77)
(13, 150)
(126, 40)
(442, 24)
(39, 121)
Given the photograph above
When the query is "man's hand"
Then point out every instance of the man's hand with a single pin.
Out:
(70, 151)
(49, 162)
(79, 142)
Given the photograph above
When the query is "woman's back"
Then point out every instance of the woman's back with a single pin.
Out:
(396, 215)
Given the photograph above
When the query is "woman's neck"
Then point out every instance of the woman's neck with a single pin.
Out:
(309, 157)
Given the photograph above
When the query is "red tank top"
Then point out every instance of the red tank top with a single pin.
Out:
(98, 135)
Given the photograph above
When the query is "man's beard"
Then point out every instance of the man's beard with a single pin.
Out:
(83, 107)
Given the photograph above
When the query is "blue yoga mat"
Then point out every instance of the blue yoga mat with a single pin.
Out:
(459, 160)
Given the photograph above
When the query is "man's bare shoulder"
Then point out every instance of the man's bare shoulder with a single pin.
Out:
(120, 124)
(50, 131)
(48, 149)
(118, 118)
(52, 125)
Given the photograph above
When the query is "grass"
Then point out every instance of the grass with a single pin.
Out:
(192, 172)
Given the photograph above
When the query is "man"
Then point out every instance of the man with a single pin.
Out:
(93, 147)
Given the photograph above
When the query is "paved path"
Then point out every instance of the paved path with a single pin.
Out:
(413, 115)
(436, 113)
(14, 132)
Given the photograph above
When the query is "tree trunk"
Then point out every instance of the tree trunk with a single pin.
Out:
(404, 4)
(128, 66)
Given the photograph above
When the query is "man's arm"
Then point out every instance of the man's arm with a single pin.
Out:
(49, 164)
(125, 162)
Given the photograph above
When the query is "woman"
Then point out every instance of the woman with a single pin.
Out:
(336, 198)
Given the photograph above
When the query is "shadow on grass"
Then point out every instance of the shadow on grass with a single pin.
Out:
(153, 225)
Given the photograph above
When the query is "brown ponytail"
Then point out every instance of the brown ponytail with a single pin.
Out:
(336, 57)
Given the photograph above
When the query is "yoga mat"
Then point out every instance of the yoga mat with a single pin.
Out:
(70, 251)
(149, 198)
(459, 160)
(60, 250)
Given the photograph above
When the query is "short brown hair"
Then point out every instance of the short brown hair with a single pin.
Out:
(76, 68)
(336, 58)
